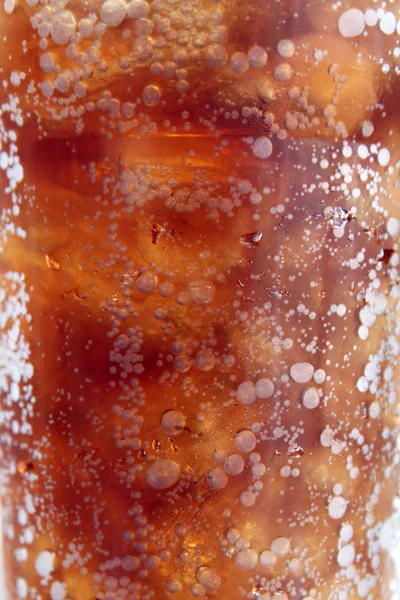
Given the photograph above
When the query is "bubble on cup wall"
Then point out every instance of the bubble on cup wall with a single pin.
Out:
(384, 157)
(239, 62)
(257, 57)
(283, 72)
(247, 498)
(393, 226)
(113, 12)
(205, 360)
(146, 282)
(151, 95)
(201, 292)
(246, 392)
(216, 56)
(301, 372)
(173, 422)
(245, 441)
(264, 388)
(57, 590)
(280, 546)
(286, 48)
(262, 147)
(337, 507)
(47, 62)
(311, 398)
(367, 129)
(44, 563)
(163, 474)
(268, 559)
(351, 23)
(208, 578)
(234, 464)
(130, 562)
(217, 479)
(62, 27)
(346, 555)
(246, 559)
(137, 9)
(387, 24)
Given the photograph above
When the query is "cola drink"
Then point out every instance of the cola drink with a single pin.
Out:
(199, 299)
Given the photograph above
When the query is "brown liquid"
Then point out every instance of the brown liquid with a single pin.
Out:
(196, 294)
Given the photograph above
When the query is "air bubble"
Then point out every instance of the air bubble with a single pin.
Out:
(388, 23)
(146, 283)
(268, 559)
(173, 422)
(234, 464)
(283, 72)
(246, 559)
(346, 556)
(286, 48)
(201, 292)
(351, 23)
(301, 372)
(264, 388)
(337, 507)
(239, 63)
(130, 563)
(63, 26)
(280, 546)
(245, 441)
(257, 57)
(137, 9)
(247, 499)
(151, 95)
(216, 56)
(208, 578)
(217, 479)
(163, 474)
(246, 393)
(113, 12)
(262, 148)
(311, 398)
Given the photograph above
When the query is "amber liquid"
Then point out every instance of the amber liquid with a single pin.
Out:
(211, 409)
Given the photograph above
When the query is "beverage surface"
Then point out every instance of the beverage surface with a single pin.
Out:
(199, 302)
